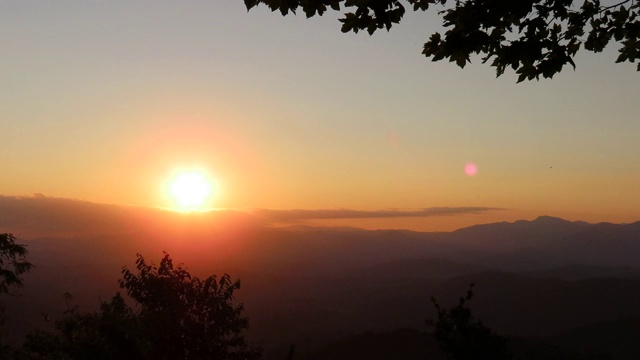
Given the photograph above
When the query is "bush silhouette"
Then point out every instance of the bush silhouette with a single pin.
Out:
(463, 337)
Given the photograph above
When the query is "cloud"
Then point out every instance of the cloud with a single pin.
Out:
(39, 215)
(327, 214)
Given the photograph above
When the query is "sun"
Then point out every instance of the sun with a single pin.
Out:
(190, 191)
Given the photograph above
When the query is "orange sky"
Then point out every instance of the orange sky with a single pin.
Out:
(104, 102)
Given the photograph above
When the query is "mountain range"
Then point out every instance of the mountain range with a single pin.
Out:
(545, 278)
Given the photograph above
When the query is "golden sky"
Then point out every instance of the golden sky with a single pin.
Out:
(106, 101)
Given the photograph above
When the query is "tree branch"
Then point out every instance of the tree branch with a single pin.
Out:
(615, 5)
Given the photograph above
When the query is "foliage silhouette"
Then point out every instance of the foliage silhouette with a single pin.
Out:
(110, 333)
(533, 37)
(13, 263)
(177, 316)
(463, 337)
(183, 317)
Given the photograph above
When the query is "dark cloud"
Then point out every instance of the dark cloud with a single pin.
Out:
(326, 214)
(39, 215)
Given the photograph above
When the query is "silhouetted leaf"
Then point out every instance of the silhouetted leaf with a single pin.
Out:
(511, 33)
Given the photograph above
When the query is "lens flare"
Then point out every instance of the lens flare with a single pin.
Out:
(470, 169)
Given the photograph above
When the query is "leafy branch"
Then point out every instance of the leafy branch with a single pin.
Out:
(535, 38)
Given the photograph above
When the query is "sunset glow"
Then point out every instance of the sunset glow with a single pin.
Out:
(109, 104)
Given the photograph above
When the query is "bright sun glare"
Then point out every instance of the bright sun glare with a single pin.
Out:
(190, 191)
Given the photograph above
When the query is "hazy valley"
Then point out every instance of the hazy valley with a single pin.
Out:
(547, 279)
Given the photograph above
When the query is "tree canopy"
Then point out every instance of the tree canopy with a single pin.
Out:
(177, 316)
(532, 37)
(184, 317)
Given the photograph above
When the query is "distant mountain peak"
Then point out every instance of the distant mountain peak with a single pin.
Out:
(550, 219)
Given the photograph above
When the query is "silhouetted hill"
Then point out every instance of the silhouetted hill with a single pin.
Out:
(524, 306)
(612, 341)
(548, 242)
(431, 269)
(618, 339)
(404, 344)
(505, 237)
(241, 240)
(582, 272)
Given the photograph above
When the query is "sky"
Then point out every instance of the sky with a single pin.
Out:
(105, 101)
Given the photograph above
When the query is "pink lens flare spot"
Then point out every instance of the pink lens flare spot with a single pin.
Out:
(470, 169)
